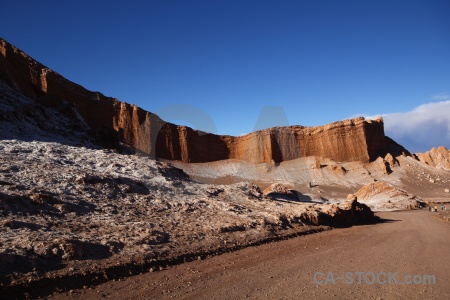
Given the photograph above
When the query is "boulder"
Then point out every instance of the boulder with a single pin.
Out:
(281, 192)
(337, 169)
(277, 188)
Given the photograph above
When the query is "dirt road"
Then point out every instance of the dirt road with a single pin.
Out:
(406, 243)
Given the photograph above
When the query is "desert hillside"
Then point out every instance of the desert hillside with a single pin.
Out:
(94, 189)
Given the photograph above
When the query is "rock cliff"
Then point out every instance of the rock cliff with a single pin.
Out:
(350, 140)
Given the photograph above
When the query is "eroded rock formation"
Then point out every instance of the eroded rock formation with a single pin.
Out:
(350, 140)
(383, 196)
(436, 157)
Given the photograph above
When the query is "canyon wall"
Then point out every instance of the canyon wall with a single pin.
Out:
(350, 140)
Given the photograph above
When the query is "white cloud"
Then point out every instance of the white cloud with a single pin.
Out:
(441, 96)
(422, 128)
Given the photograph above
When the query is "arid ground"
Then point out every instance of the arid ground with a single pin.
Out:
(407, 243)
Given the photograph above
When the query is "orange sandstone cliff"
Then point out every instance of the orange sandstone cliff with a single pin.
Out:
(350, 140)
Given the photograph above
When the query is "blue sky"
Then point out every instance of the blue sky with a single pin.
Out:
(308, 62)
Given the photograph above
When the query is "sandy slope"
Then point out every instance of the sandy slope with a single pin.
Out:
(333, 180)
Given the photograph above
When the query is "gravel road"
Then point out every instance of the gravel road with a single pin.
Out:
(407, 243)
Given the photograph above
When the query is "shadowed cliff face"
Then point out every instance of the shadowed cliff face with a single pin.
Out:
(111, 119)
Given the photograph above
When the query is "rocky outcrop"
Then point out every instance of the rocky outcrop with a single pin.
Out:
(436, 157)
(392, 161)
(381, 196)
(345, 214)
(279, 191)
(112, 120)
(384, 166)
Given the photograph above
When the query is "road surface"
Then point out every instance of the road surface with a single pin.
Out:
(409, 243)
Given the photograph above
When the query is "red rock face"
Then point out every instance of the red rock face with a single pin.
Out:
(349, 140)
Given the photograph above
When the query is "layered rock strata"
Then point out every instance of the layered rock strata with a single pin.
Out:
(350, 140)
